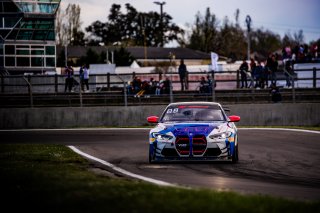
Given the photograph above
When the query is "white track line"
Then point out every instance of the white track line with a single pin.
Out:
(283, 129)
(74, 129)
(136, 129)
(115, 168)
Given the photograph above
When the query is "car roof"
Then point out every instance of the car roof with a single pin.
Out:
(195, 103)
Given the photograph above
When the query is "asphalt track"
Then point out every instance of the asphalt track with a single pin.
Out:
(272, 162)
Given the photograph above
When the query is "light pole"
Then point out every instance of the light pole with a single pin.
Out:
(161, 18)
(248, 21)
(66, 55)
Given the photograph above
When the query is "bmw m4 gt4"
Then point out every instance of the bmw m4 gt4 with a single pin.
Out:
(193, 131)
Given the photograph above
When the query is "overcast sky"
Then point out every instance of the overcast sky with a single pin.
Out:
(279, 16)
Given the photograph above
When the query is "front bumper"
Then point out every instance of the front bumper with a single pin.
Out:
(218, 151)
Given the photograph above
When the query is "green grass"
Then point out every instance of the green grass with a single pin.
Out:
(52, 178)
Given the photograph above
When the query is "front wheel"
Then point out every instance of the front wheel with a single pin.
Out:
(151, 158)
(235, 156)
(152, 154)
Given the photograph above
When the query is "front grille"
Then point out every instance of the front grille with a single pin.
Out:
(199, 144)
(183, 145)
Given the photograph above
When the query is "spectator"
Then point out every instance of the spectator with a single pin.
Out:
(272, 67)
(275, 93)
(253, 66)
(268, 70)
(288, 72)
(209, 80)
(286, 52)
(300, 55)
(144, 89)
(166, 86)
(182, 74)
(81, 76)
(130, 89)
(203, 87)
(159, 87)
(259, 75)
(136, 83)
(86, 77)
(314, 50)
(69, 78)
(243, 72)
(152, 86)
(66, 80)
(145, 86)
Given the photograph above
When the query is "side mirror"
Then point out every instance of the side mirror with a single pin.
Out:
(226, 109)
(234, 118)
(153, 119)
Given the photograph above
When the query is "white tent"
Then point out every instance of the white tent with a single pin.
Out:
(134, 65)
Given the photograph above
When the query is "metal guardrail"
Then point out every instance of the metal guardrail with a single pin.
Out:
(44, 85)
(107, 82)
(116, 98)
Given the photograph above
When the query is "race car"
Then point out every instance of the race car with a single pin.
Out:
(193, 131)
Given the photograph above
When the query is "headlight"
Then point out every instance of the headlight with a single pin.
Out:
(162, 137)
(221, 135)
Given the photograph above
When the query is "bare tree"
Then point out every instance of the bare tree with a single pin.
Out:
(68, 26)
(205, 32)
(299, 37)
(60, 38)
(236, 16)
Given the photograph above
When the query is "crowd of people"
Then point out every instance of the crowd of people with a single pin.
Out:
(264, 75)
(302, 53)
(259, 74)
(145, 88)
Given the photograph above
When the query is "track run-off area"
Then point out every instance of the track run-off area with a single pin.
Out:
(277, 162)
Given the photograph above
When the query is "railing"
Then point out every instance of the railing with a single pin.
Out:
(114, 86)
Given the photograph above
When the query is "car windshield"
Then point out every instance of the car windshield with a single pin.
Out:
(193, 113)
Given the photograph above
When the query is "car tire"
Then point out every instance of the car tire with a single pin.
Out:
(152, 156)
(235, 156)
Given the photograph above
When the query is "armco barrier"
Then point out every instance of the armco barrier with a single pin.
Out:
(306, 114)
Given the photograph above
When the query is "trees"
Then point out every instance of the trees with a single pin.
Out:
(133, 28)
(265, 42)
(227, 40)
(296, 39)
(123, 57)
(204, 33)
(68, 26)
(230, 40)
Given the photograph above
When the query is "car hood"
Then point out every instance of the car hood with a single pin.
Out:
(191, 128)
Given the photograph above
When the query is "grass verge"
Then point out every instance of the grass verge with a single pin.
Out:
(52, 178)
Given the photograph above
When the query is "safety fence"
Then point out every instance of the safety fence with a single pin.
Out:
(112, 89)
